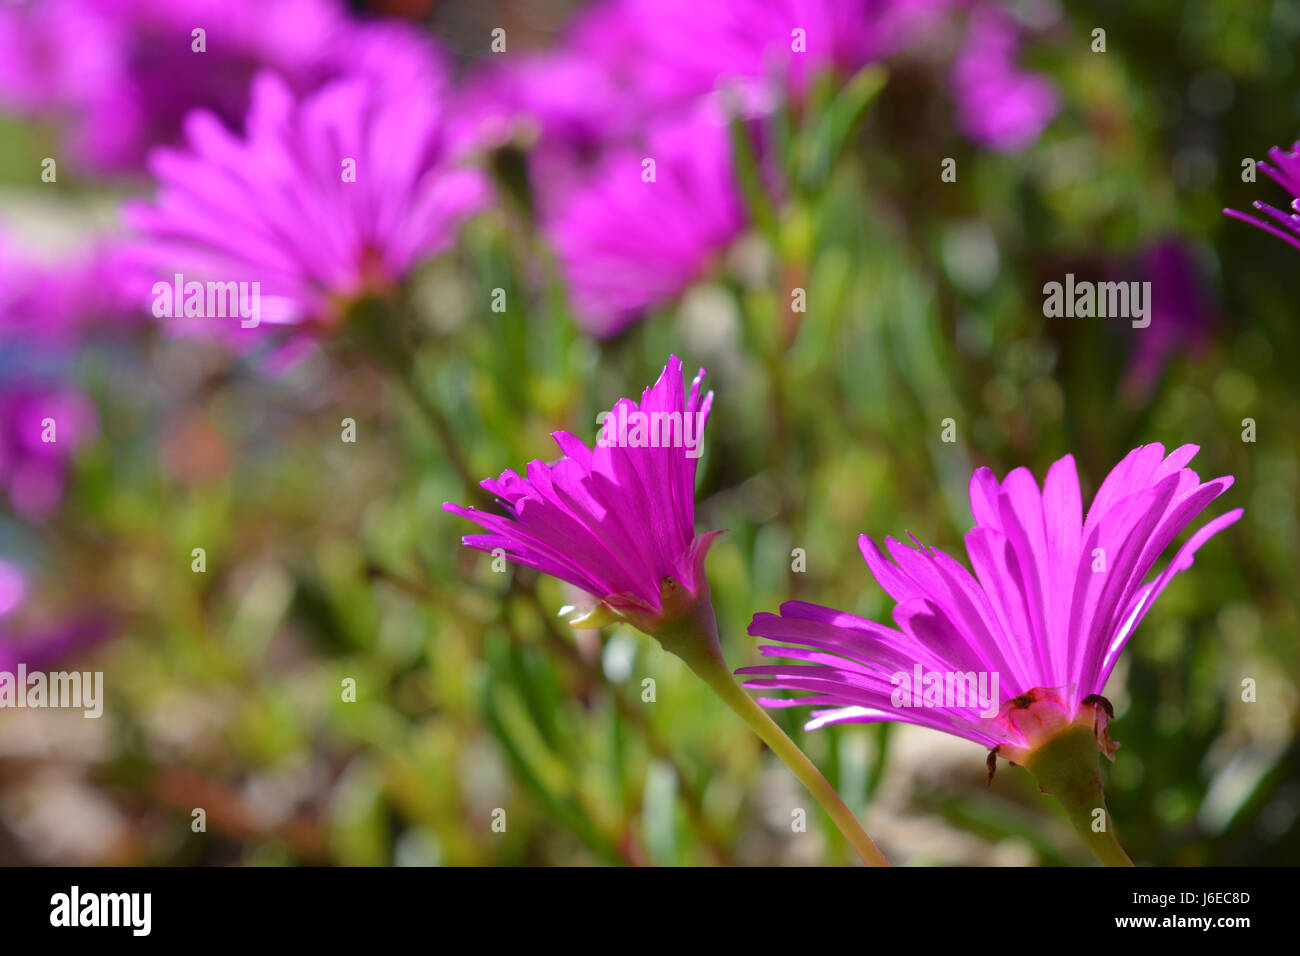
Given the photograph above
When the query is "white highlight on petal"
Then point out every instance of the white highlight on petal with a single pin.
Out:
(844, 713)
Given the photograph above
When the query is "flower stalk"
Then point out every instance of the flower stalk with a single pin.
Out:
(381, 328)
(694, 638)
(1066, 766)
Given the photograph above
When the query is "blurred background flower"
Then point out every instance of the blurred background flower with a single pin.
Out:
(627, 243)
(43, 426)
(999, 104)
(120, 75)
(330, 199)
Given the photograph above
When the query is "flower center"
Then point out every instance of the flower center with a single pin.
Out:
(1036, 715)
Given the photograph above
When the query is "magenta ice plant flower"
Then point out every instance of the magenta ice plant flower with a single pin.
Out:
(625, 66)
(999, 104)
(557, 109)
(1052, 602)
(39, 645)
(57, 303)
(120, 75)
(322, 200)
(673, 52)
(13, 586)
(550, 98)
(1015, 656)
(41, 427)
(616, 520)
(1283, 167)
(1183, 310)
(628, 243)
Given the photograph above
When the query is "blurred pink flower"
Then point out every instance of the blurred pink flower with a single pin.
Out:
(58, 303)
(33, 470)
(999, 105)
(555, 97)
(41, 645)
(122, 74)
(623, 66)
(38, 648)
(626, 245)
(1182, 311)
(279, 205)
(13, 586)
(671, 52)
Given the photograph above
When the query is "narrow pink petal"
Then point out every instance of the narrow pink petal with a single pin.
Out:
(1147, 596)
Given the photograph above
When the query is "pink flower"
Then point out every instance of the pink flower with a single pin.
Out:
(1183, 311)
(13, 586)
(670, 53)
(999, 104)
(1053, 601)
(1285, 171)
(324, 199)
(42, 644)
(555, 97)
(627, 245)
(617, 520)
(57, 304)
(121, 74)
(41, 427)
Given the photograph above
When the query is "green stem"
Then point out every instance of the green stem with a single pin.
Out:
(1066, 767)
(695, 640)
(382, 328)
(592, 671)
